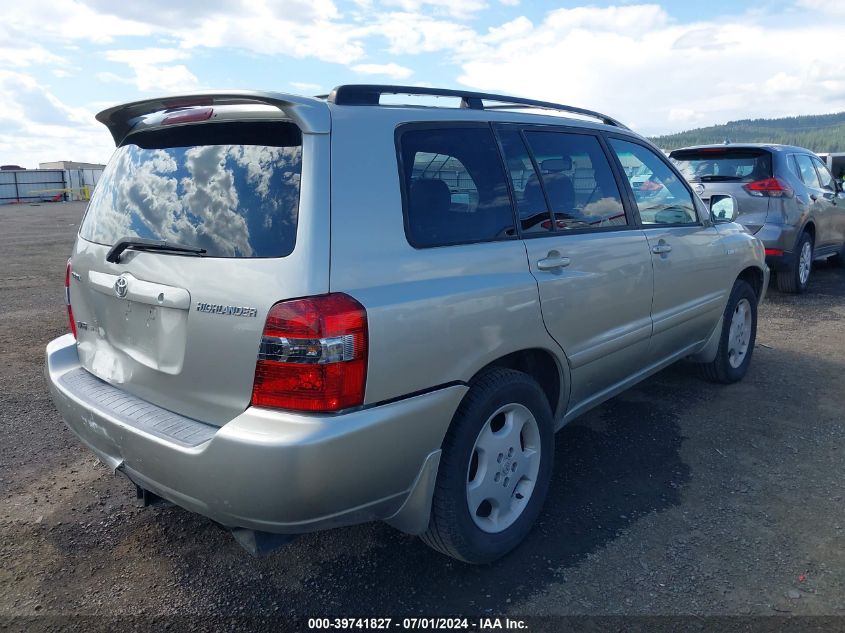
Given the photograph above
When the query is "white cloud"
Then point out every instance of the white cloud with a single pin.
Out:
(637, 64)
(829, 7)
(634, 61)
(413, 33)
(65, 20)
(299, 28)
(36, 126)
(394, 71)
(453, 8)
(683, 115)
(146, 55)
(23, 54)
(306, 86)
(149, 70)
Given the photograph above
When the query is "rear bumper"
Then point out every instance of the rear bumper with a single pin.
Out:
(264, 470)
(780, 262)
(780, 238)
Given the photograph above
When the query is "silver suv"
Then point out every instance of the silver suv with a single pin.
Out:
(294, 313)
(784, 195)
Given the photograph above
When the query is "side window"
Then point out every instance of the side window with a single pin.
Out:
(825, 176)
(793, 166)
(577, 180)
(661, 197)
(455, 187)
(534, 214)
(807, 171)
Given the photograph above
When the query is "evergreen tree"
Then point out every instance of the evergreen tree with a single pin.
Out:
(819, 133)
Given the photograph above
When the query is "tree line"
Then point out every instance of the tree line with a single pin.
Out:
(819, 133)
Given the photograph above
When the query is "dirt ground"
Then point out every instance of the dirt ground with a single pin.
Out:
(676, 498)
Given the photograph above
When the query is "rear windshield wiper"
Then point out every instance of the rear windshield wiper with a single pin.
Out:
(140, 244)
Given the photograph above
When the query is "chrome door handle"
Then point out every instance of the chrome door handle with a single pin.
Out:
(552, 262)
(661, 249)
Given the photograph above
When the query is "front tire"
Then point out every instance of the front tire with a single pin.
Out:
(739, 332)
(795, 279)
(495, 468)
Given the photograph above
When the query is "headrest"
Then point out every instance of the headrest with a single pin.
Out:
(430, 196)
(557, 164)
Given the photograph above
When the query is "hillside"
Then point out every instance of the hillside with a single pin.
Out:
(820, 133)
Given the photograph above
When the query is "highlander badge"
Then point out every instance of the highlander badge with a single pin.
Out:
(216, 308)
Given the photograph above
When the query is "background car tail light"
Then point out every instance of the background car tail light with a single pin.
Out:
(67, 300)
(770, 187)
(313, 355)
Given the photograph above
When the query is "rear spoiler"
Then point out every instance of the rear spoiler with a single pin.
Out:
(310, 114)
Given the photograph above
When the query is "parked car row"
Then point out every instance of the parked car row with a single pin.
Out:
(784, 195)
(292, 313)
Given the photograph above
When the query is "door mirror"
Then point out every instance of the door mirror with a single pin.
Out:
(723, 208)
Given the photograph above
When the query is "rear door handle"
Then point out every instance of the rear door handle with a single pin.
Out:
(553, 261)
(661, 249)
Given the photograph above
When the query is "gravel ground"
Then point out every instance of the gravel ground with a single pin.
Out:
(675, 498)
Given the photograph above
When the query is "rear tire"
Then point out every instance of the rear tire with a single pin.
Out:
(739, 332)
(497, 456)
(797, 277)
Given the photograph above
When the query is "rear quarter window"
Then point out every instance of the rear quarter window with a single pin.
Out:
(454, 187)
(232, 189)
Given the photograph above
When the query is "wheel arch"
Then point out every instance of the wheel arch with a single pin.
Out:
(809, 227)
(544, 367)
(754, 277)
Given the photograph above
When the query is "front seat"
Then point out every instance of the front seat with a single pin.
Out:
(560, 190)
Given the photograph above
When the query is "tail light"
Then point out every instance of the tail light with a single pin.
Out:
(313, 355)
(770, 187)
(67, 300)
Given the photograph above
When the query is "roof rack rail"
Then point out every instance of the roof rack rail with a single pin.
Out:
(370, 94)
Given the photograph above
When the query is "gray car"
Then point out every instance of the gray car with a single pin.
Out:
(784, 195)
(291, 313)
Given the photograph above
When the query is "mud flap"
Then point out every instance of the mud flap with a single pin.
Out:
(145, 498)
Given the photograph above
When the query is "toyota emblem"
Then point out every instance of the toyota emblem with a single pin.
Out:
(699, 189)
(121, 286)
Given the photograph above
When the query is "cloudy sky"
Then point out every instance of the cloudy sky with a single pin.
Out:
(659, 67)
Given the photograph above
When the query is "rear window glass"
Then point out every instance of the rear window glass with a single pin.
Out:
(232, 189)
(455, 187)
(723, 165)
